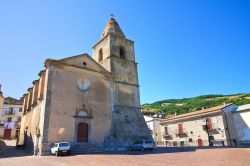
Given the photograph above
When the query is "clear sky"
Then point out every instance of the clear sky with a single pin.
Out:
(183, 48)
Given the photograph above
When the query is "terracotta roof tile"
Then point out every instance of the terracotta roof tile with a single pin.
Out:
(196, 113)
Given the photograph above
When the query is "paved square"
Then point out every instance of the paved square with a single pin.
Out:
(161, 156)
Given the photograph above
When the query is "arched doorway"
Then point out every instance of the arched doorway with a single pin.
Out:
(82, 132)
(200, 143)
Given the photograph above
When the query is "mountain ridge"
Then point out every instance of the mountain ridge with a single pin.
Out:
(186, 105)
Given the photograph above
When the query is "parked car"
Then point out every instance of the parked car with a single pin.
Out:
(142, 145)
(60, 148)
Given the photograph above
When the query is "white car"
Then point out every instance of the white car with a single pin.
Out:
(60, 148)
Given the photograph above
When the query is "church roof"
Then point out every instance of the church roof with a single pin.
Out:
(112, 27)
(81, 61)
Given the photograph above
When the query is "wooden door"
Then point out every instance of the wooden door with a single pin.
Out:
(180, 127)
(7, 134)
(200, 143)
(82, 132)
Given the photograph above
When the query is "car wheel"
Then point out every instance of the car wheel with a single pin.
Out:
(142, 149)
(130, 149)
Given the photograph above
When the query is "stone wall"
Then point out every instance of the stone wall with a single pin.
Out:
(67, 98)
(29, 124)
(128, 126)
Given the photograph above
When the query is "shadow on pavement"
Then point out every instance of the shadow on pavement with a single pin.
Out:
(12, 151)
(159, 150)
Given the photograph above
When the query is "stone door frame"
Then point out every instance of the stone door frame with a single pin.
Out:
(82, 120)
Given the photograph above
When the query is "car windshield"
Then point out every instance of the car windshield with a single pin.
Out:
(63, 144)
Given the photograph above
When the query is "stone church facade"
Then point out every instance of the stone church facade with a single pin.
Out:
(86, 100)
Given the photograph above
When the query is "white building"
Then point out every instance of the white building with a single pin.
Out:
(197, 128)
(10, 117)
(153, 123)
(242, 124)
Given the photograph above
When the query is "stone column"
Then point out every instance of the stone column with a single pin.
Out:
(41, 85)
(35, 92)
(30, 91)
(25, 102)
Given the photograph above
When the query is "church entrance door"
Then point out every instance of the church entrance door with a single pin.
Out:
(82, 132)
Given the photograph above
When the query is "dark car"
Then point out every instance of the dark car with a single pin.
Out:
(142, 145)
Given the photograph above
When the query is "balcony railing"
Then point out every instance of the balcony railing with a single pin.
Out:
(167, 135)
(9, 113)
(166, 132)
(213, 126)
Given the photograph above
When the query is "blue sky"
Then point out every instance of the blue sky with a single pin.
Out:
(184, 48)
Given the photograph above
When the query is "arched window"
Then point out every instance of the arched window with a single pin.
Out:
(100, 58)
(122, 52)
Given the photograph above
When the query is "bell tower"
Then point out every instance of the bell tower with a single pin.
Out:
(116, 53)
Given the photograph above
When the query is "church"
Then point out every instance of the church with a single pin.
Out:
(87, 100)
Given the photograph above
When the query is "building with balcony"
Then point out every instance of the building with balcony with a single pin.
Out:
(212, 126)
(10, 117)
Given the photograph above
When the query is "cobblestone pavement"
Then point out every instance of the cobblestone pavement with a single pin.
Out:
(159, 157)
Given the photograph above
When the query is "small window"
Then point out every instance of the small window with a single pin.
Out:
(122, 53)
(100, 58)
(190, 140)
(20, 109)
(9, 119)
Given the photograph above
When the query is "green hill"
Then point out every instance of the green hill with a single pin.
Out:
(185, 105)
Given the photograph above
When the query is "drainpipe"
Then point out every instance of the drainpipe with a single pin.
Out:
(227, 127)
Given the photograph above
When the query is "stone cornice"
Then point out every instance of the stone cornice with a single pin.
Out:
(41, 72)
(113, 56)
(111, 34)
(56, 63)
(120, 82)
(130, 107)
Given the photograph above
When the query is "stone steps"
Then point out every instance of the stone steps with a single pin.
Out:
(86, 148)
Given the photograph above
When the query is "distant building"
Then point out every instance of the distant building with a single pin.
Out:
(212, 126)
(154, 127)
(242, 124)
(10, 117)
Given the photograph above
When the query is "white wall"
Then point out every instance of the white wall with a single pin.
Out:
(242, 124)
